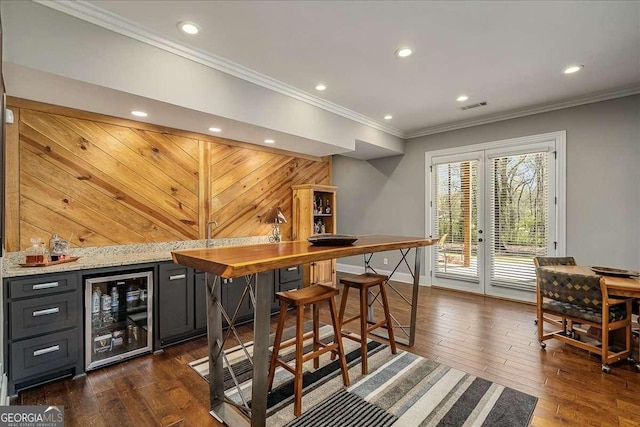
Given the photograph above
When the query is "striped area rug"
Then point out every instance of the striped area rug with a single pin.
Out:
(401, 390)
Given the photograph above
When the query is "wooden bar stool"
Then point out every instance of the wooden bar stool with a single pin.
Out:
(363, 283)
(311, 295)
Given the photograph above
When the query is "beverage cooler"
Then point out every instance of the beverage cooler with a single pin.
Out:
(118, 317)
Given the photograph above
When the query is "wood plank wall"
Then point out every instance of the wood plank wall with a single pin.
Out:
(101, 180)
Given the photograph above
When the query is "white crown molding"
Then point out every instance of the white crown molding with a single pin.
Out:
(105, 19)
(542, 108)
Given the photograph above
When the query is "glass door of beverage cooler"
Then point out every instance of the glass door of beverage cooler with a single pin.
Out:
(118, 317)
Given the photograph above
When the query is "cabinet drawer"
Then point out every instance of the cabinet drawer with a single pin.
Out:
(40, 355)
(36, 316)
(289, 286)
(42, 285)
(290, 274)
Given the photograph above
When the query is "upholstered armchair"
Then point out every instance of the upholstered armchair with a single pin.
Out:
(584, 299)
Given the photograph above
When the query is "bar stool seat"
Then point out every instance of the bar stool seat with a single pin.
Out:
(363, 283)
(311, 295)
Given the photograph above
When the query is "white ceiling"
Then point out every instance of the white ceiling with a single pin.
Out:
(509, 54)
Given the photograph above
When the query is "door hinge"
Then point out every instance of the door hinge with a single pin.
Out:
(555, 245)
(430, 168)
(430, 203)
(431, 273)
(555, 200)
(555, 155)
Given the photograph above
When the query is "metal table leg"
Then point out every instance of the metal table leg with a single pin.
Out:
(414, 298)
(260, 355)
(221, 408)
(214, 337)
(411, 335)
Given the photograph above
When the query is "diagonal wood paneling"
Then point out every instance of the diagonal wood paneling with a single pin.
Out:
(113, 181)
(245, 192)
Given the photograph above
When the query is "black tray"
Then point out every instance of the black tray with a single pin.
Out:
(606, 271)
(332, 239)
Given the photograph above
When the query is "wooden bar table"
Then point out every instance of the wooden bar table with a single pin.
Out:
(237, 261)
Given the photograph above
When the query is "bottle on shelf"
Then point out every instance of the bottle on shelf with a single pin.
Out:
(115, 303)
(96, 321)
(327, 208)
(95, 300)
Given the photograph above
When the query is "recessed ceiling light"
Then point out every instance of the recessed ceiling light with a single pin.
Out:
(404, 52)
(388, 117)
(215, 129)
(189, 28)
(573, 69)
(269, 141)
(462, 98)
(321, 87)
(139, 113)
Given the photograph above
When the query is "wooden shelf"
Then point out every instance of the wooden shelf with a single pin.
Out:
(304, 221)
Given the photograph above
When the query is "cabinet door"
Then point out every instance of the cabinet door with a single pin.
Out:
(200, 293)
(231, 294)
(323, 272)
(175, 300)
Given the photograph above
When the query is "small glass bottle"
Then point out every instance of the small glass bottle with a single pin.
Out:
(54, 247)
(36, 253)
(95, 300)
(115, 298)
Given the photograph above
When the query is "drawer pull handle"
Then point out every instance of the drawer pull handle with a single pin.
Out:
(177, 277)
(46, 350)
(45, 285)
(52, 310)
(292, 268)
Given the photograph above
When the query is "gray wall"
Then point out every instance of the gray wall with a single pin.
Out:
(387, 196)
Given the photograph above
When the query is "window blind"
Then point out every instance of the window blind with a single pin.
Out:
(518, 217)
(456, 216)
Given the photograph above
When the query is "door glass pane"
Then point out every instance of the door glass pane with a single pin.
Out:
(518, 218)
(456, 218)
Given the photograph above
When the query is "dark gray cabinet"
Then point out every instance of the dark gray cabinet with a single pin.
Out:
(44, 315)
(289, 278)
(182, 312)
(175, 301)
(44, 329)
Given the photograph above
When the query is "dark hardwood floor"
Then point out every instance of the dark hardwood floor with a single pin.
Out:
(490, 338)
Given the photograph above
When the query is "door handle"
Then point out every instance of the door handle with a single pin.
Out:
(480, 239)
(292, 268)
(177, 277)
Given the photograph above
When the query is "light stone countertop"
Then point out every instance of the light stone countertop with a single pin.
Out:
(110, 256)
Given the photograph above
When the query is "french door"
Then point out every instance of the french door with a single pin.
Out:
(495, 209)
